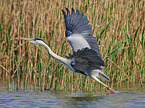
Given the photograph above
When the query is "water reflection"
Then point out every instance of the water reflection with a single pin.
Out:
(87, 98)
(80, 99)
(84, 101)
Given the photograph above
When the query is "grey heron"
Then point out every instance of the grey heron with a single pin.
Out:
(86, 58)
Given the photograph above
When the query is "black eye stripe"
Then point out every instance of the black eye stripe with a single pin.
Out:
(37, 39)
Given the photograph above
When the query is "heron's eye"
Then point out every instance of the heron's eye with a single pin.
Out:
(68, 33)
(72, 63)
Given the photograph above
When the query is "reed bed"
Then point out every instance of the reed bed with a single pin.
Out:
(117, 24)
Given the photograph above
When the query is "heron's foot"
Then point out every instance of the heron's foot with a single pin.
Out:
(115, 92)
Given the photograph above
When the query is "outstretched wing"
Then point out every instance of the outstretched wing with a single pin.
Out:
(79, 32)
(85, 59)
(86, 62)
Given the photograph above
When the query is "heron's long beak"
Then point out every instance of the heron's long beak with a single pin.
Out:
(28, 39)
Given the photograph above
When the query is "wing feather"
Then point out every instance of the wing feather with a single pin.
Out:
(79, 31)
(86, 59)
(89, 55)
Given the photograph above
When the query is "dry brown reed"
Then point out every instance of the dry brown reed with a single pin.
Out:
(117, 24)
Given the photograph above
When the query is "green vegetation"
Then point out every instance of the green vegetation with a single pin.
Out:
(118, 26)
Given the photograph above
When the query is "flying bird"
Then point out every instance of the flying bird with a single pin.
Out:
(86, 58)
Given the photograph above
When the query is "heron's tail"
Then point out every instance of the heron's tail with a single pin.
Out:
(99, 74)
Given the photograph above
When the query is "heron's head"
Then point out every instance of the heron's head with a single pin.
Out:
(34, 40)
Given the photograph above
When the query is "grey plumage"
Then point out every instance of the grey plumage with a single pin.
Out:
(86, 60)
(90, 56)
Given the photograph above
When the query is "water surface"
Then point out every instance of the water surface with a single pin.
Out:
(131, 98)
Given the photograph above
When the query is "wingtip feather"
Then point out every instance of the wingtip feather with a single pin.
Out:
(76, 21)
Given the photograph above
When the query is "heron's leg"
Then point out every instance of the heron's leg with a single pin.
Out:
(109, 88)
(105, 85)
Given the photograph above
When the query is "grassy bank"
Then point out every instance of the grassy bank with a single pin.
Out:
(118, 26)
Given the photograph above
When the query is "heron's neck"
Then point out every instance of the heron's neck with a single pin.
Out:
(56, 57)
